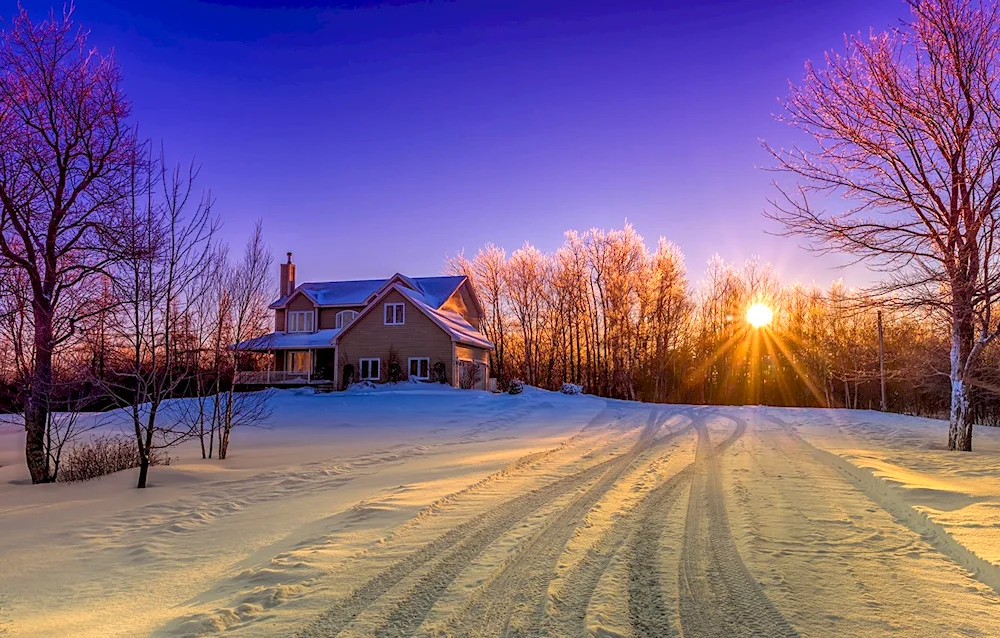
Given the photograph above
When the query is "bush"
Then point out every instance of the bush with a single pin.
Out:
(394, 373)
(571, 388)
(394, 370)
(438, 372)
(105, 454)
(348, 375)
(516, 387)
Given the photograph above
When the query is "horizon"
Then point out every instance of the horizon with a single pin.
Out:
(461, 124)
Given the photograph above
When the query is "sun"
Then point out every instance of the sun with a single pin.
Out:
(759, 315)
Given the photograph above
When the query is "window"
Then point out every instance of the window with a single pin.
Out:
(300, 321)
(298, 361)
(370, 369)
(420, 368)
(344, 317)
(394, 314)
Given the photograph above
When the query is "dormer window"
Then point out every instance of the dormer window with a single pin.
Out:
(301, 321)
(395, 314)
(344, 317)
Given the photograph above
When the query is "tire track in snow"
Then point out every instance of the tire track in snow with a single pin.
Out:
(718, 596)
(884, 495)
(452, 551)
(410, 612)
(568, 615)
(514, 600)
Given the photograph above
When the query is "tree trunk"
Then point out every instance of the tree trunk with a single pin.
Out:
(962, 335)
(36, 413)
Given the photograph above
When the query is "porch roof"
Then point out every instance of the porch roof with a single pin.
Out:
(290, 341)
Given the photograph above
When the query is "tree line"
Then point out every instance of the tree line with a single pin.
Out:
(624, 320)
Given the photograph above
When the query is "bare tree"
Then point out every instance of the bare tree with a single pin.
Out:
(906, 126)
(65, 150)
(249, 286)
(161, 253)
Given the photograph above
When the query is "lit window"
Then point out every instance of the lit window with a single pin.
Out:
(394, 314)
(299, 361)
(345, 317)
(370, 369)
(420, 368)
(300, 321)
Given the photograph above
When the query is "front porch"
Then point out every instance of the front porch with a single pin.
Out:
(290, 368)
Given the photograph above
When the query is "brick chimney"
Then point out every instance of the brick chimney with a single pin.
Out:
(286, 279)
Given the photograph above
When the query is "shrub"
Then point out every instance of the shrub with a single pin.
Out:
(348, 375)
(571, 388)
(105, 454)
(438, 372)
(394, 371)
(516, 386)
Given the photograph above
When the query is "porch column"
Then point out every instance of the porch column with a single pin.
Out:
(336, 368)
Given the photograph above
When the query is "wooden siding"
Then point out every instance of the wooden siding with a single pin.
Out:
(328, 316)
(471, 353)
(279, 320)
(301, 302)
(419, 336)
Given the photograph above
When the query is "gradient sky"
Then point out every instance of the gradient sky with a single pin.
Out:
(376, 137)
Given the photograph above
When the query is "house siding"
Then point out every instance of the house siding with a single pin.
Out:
(279, 320)
(471, 353)
(419, 336)
(328, 316)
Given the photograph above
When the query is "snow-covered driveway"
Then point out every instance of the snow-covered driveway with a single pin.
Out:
(450, 513)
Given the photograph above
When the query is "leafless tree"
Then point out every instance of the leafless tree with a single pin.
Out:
(906, 126)
(65, 149)
(166, 239)
(249, 287)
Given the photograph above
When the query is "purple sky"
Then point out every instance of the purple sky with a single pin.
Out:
(383, 138)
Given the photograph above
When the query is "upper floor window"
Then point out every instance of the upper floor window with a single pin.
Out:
(395, 314)
(300, 321)
(345, 317)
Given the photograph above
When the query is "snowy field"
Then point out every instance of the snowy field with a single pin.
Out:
(443, 512)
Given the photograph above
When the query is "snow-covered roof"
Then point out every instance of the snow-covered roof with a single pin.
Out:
(451, 322)
(290, 341)
(437, 290)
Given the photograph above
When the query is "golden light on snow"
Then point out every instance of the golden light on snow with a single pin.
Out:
(759, 315)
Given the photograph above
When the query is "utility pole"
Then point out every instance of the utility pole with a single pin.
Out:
(881, 360)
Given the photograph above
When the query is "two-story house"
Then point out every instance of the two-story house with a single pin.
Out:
(334, 331)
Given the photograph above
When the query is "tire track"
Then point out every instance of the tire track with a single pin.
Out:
(412, 609)
(452, 551)
(718, 596)
(515, 599)
(641, 528)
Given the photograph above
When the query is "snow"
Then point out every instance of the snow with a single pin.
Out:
(356, 293)
(291, 340)
(618, 516)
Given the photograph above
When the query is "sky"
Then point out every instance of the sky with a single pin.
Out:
(375, 137)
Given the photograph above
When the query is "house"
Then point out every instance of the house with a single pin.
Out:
(332, 332)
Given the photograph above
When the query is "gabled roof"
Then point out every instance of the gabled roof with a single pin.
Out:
(451, 322)
(436, 290)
